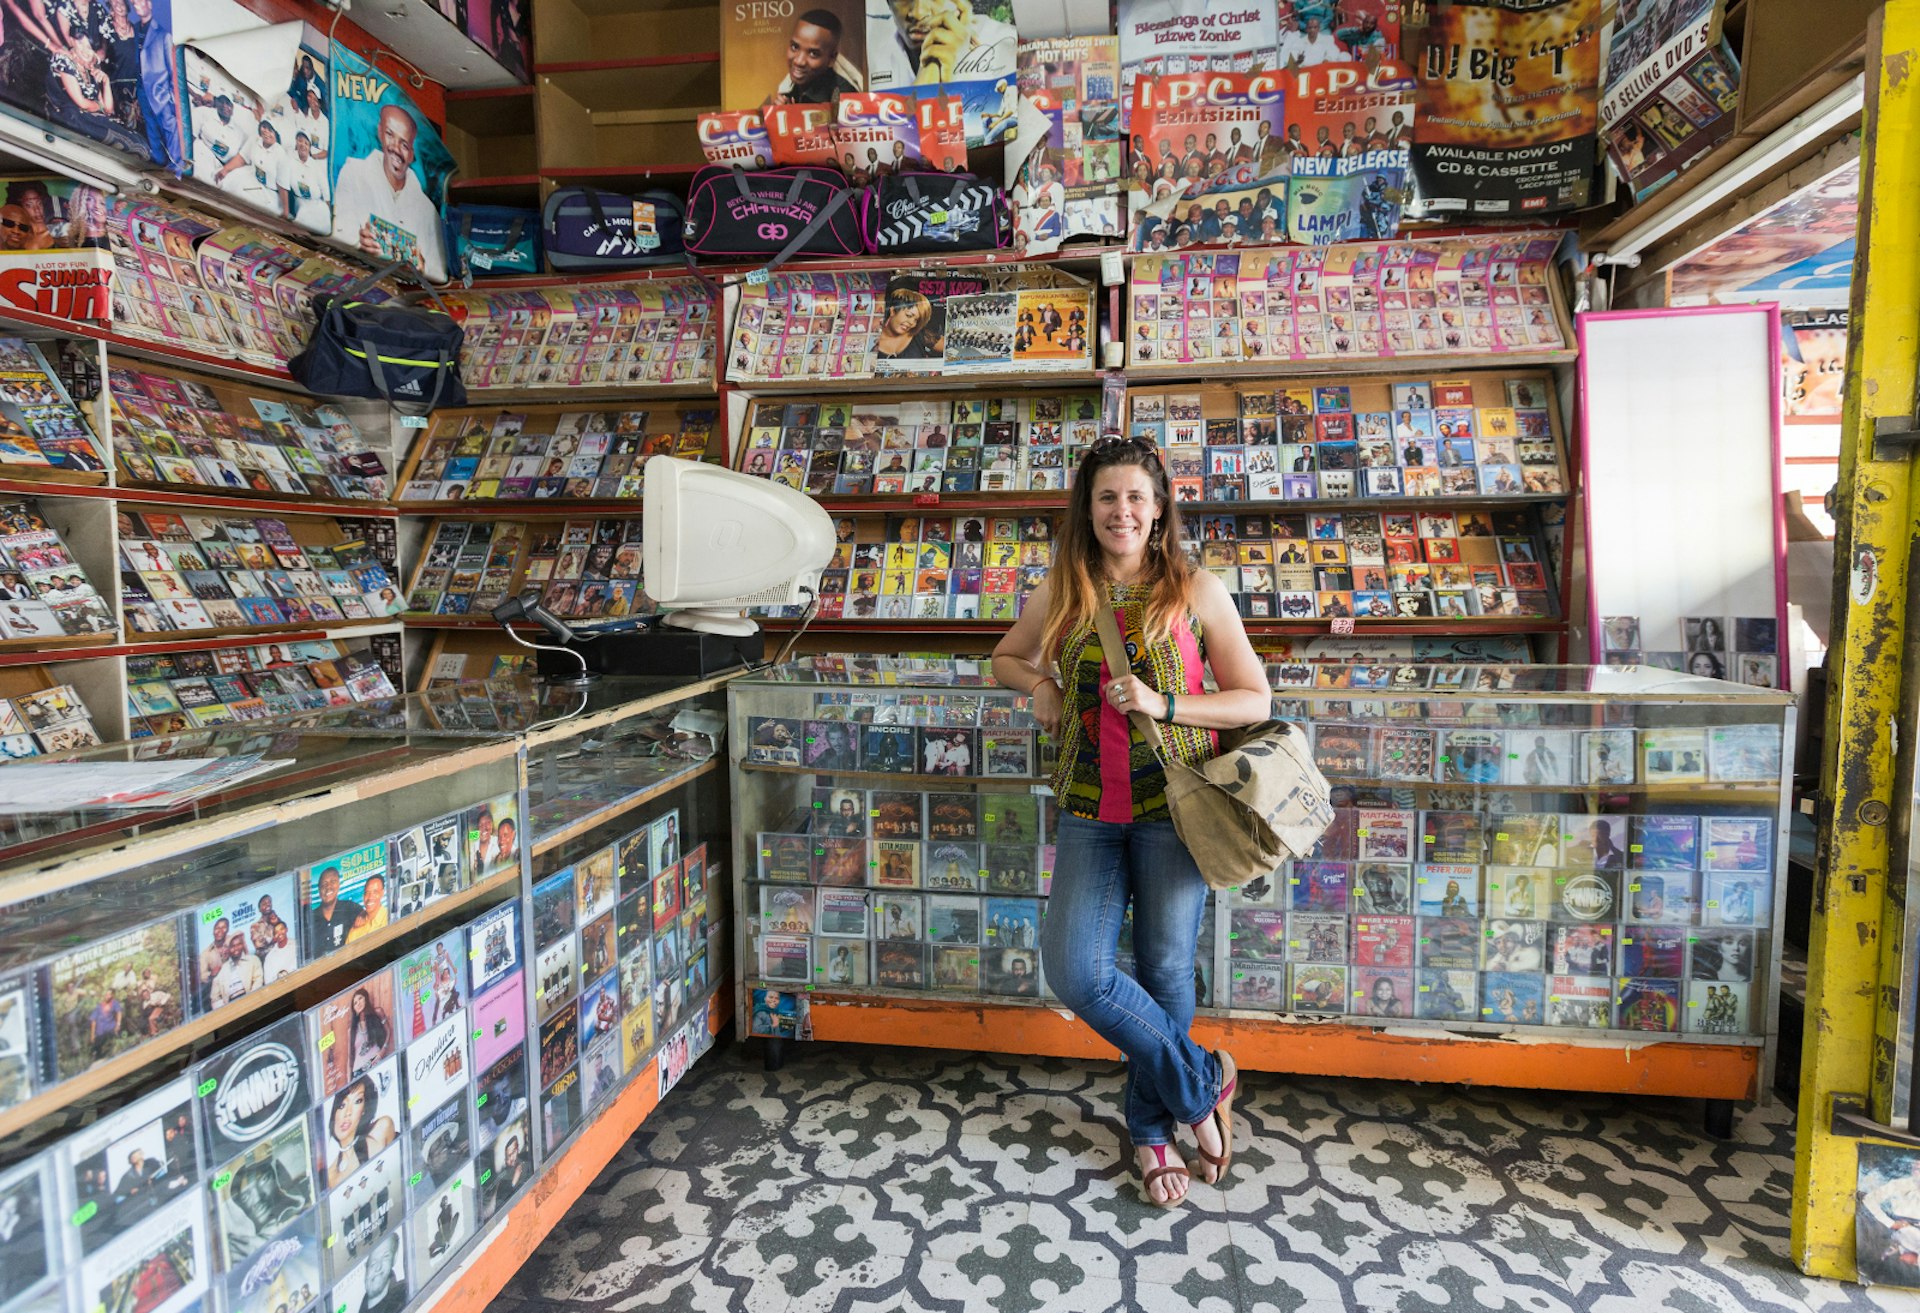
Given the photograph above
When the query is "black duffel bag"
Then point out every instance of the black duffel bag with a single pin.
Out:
(407, 356)
(773, 215)
(937, 213)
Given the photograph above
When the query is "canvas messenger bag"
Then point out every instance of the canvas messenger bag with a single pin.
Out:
(1258, 803)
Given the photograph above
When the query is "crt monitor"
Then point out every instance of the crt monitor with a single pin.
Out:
(715, 542)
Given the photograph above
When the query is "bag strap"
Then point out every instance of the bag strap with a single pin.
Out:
(1114, 648)
(355, 291)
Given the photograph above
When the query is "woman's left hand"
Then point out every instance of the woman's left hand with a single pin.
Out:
(1129, 693)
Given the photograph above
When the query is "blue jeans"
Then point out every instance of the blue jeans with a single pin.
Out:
(1100, 867)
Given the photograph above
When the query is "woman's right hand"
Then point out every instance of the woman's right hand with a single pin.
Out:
(1047, 700)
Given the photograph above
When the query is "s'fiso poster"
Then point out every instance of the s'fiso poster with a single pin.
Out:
(389, 169)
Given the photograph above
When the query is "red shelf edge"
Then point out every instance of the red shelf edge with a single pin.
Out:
(209, 501)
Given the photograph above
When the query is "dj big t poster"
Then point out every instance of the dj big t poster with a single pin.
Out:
(1508, 105)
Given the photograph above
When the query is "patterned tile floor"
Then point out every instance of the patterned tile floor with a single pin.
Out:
(858, 1180)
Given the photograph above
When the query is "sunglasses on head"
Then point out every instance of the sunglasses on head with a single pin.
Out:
(1113, 442)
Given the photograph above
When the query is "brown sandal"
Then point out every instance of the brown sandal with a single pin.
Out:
(1222, 1118)
(1175, 1168)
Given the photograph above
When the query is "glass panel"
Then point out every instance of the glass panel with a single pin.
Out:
(1569, 848)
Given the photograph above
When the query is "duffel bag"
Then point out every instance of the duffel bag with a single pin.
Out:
(492, 239)
(773, 215)
(585, 229)
(407, 356)
(933, 213)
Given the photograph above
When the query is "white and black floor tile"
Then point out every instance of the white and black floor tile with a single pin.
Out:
(860, 1180)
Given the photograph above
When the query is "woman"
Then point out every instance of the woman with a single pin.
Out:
(356, 1130)
(903, 332)
(1120, 547)
(368, 1034)
(1706, 664)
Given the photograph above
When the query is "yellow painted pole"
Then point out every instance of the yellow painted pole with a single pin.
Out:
(1854, 916)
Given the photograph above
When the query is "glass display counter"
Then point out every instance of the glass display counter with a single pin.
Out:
(1561, 853)
(292, 1038)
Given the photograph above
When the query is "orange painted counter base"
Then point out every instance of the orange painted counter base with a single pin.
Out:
(1706, 1071)
(555, 1190)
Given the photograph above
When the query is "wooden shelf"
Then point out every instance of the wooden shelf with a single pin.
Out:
(621, 392)
(1439, 626)
(1435, 366)
(522, 189)
(35, 480)
(676, 84)
(993, 503)
(31, 648)
(547, 509)
(247, 633)
(903, 779)
(414, 620)
(228, 367)
(191, 1032)
(621, 173)
(635, 62)
(187, 495)
(491, 112)
(1026, 381)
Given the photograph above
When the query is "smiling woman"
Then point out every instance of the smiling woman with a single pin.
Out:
(1120, 549)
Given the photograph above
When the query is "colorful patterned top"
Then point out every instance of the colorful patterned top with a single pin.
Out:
(1106, 769)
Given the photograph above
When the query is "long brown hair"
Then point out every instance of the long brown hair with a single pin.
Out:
(1079, 574)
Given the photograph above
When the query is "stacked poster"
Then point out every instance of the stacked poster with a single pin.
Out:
(1458, 294)
(1508, 106)
(948, 48)
(1194, 36)
(1670, 91)
(1069, 182)
(1208, 164)
(1349, 129)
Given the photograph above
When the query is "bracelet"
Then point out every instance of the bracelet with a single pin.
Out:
(1168, 718)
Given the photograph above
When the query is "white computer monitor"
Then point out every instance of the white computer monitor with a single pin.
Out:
(715, 542)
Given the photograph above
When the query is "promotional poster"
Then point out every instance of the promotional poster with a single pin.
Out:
(735, 137)
(389, 169)
(1508, 106)
(501, 29)
(1671, 112)
(271, 155)
(108, 78)
(964, 48)
(774, 55)
(1179, 36)
(1069, 183)
(1814, 372)
(1348, 133)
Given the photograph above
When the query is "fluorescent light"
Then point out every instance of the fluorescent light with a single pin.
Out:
(57, 154)
(1771, 152)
